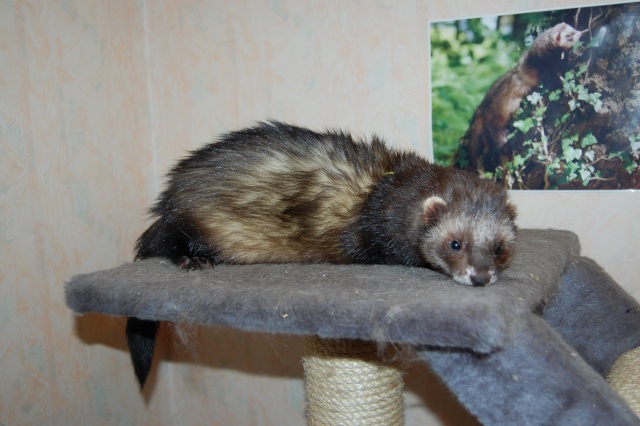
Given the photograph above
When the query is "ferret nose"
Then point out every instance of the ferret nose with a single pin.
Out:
(479, 280)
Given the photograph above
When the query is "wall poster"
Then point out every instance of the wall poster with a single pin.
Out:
(544, 100)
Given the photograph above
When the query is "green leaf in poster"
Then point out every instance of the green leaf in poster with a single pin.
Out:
(524, 125)
(588, 139)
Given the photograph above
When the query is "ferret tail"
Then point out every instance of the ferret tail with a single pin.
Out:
(141, 334)
(141, 338)
(161, 239)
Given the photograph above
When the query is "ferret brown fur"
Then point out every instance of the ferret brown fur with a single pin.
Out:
(487, 133)
(279, 193)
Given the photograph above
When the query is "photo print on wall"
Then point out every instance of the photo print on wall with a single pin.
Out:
(544, 100)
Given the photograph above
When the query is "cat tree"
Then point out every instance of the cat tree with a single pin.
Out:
(533, 348)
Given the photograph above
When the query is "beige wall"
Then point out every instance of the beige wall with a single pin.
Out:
(98, 98)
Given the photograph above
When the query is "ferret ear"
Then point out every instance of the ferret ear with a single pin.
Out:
(557, 34)
(432, 209)
(512, 212)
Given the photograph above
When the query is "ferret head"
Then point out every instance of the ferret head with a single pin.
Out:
(564, 35)
(469, 239)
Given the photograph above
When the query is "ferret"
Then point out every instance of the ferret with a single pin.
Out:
(280, 193)
(487, 133)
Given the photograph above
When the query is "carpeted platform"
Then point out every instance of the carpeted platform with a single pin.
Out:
(513, 352)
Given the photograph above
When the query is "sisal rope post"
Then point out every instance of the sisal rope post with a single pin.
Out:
(347, 383)
(624, 378)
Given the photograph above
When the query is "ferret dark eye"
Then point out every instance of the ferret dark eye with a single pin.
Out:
(497, 251)
(455, 245)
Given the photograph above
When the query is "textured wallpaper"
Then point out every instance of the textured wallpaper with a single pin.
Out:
(98, 99)
(74, 167)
